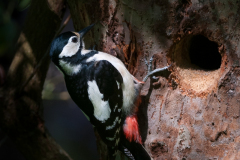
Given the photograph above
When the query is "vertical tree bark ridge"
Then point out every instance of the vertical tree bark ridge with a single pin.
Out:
(21, 110)
(194, 114)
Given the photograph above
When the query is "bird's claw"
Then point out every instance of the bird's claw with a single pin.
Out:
(150, 72)
(155, 78)
(149, 66)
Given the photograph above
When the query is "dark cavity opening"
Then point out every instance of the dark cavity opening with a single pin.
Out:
(204, 53)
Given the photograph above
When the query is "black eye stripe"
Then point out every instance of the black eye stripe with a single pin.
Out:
(74, 40)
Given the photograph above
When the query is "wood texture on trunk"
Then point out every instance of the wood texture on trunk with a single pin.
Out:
(193, 113)
(21, 107)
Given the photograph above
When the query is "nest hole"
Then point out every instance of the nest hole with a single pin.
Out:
(197, 64)
(204, 53)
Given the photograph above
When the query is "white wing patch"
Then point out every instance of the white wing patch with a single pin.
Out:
(101, 108)
(129, 94)
(70, 69)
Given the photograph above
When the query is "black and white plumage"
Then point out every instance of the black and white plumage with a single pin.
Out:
(104, 90)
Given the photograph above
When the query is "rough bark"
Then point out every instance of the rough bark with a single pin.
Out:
(194, 112)
(21, 103)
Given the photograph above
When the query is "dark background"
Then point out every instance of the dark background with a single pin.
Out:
(63, 119)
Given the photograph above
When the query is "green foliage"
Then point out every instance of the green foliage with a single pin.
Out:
(8, 32)
(23, 4)
(8, 27)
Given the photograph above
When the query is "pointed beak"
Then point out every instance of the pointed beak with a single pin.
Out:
(85, 30)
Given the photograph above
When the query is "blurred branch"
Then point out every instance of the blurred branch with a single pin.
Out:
(3, 140)
(21, 103)
(10, 8)
(46, 53)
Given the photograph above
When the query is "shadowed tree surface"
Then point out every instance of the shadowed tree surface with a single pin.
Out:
(193, 113)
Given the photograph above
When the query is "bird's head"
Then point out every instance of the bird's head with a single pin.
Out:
(67, 46)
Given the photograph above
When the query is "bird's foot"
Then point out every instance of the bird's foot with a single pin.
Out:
(137, 81)
(151, 72)
(149, 66)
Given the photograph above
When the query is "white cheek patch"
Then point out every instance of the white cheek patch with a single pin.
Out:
(70, 49)
(70, 69)
(101, 108)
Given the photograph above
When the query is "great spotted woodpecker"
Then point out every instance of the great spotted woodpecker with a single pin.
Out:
(105, 91)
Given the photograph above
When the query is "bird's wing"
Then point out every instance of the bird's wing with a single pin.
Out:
(105, 93)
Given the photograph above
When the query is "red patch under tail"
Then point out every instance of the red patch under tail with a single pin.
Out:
(131, 129)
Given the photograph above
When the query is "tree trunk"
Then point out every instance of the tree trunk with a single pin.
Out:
(21, 103)
(194, 112)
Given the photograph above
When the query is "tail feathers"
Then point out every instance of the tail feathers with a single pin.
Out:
(134, 151)
(128, 153)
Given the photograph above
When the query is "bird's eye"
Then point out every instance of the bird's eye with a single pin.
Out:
(74, 39)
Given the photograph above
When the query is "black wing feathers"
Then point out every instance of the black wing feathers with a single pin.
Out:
(109, 82)
(107, 76)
